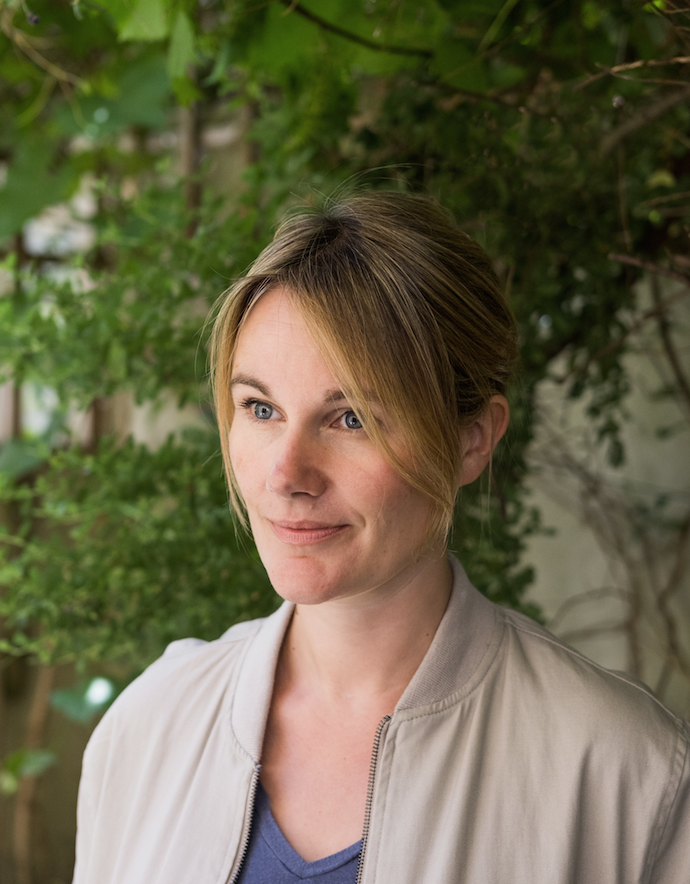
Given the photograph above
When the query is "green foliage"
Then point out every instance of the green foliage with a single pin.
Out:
(87, 699)
(20, 457)
(142, 20)
(490, 105)
(23, 763)
(181, 52)
(137, 326)
(141, 550)
(31, 184)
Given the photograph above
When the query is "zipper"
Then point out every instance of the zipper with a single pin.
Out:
(370, 792)
(247, 829)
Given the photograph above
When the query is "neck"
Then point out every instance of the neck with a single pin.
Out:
(365, 649)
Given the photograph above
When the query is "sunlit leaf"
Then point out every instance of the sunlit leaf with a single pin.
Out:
(148, 20)
(181, 49)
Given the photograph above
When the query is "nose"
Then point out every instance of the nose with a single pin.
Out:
(297, 467)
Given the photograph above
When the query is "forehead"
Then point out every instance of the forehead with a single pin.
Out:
(276, 352)
(275, 339)
(274, 305)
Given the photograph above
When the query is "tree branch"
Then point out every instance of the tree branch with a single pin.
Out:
(622, 199)
(653, 312)
(658, 81)
(680, 562)
(664, 598)
(38, 715)
(652, 268)
(22, 43)
(39, 102)
(667, 198)
(667, 343)
(620, 529)
(476, 97)
(631, 66)
(583, 597)
(190, 161)
(642, 117)
(663, 680)
(355, 38)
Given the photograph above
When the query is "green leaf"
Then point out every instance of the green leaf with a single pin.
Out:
(591, 14)
(661, 178)
(455, 63)
(117, 361)
(84, 702)
(496, 25)
(220, 66)
(185, 91)
(139, 95)
(147, 21)
(23, 763)
(9, 783)
(31, 185)
(287, 42)
(19, 457)
(73, 705)
(35, 762)
(181, 50)
(120, 10)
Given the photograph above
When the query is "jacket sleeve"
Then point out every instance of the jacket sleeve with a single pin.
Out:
(86, 805)
(671, 864)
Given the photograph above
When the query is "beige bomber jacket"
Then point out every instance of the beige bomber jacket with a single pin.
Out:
(510, 759)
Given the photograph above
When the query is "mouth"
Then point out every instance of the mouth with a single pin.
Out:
(303, 533)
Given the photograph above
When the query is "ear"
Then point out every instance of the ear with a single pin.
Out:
(479, 441)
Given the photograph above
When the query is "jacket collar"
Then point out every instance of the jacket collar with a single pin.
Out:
(460, 643)
(252, 696)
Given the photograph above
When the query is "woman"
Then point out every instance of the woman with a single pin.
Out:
(360, 369)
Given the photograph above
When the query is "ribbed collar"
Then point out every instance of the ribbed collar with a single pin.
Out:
(461, 640)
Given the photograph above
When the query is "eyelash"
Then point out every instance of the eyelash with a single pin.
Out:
(248, 406)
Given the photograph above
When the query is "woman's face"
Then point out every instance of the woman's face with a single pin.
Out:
(330, 517)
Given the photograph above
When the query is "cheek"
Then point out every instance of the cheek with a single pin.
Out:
(243, 462)
(393, 498)
(405, 509)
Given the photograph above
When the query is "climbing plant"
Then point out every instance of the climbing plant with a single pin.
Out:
(558, 133)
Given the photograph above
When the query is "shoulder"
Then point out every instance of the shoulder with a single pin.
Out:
(191, 681)
(603, 737)
(167, 745)
(580, 699)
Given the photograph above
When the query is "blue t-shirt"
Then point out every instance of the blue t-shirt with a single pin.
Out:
(271, 860)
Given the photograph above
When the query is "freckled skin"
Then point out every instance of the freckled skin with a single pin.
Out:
(304, 463)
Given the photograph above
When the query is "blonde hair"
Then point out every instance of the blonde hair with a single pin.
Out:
(406, 309)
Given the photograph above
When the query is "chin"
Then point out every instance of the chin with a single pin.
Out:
(302, 580)
(298, 579)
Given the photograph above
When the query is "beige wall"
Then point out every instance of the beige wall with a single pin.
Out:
(602, 549)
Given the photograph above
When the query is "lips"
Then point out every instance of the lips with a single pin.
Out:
(302, 533)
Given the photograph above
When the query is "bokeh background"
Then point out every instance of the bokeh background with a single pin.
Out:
(147, 148)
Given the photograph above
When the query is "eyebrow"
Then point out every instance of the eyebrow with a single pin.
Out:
(247, 380)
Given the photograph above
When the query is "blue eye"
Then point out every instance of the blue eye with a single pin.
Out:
(262, 411)
(352, 422)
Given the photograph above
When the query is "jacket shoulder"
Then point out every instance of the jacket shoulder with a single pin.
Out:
(582, 694)
(238, 632)
(192, 677)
